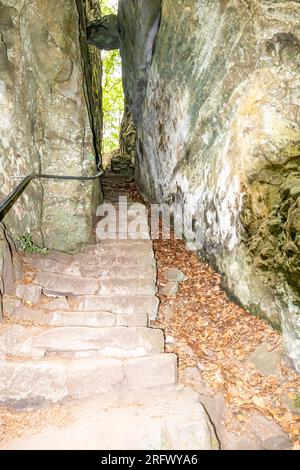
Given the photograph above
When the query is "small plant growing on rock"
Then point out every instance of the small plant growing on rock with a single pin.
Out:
(27, 245)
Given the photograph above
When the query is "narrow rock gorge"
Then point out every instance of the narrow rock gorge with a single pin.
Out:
(102, 327)
(215, 98)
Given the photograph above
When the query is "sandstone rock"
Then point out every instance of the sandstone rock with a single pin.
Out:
(175, 275)
(170, 289)
(265, 360)
(127, 287)
(216, 134)
(10, 304)
(60, 284)
(103, 33)
(29, 292)
(56, 380)
(262, 434)
(121, 304)
(140, 37)
(91, 319)
(60, 303)
(123, 165)
(47, 97)
(115, 342)
(149, 372)
(129, 420)
(10, 269)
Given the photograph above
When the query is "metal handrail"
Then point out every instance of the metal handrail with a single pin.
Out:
(10, 200)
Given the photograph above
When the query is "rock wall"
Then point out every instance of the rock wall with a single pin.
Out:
(48, 118)
(219, 131)
(127, 134)
(10, 265)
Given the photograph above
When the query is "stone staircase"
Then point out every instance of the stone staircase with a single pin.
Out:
(82, 328)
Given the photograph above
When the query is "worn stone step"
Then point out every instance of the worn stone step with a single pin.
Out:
(16, 340)
(90, 319)
(114, 342)
(109, 244)
(97, 271)
(125, 260)
(129, 251)
(162, 419)
(59, 256)
(127, 304)
(62, 284)
(55, 380)
(119, 272)
(53, 266)
(123, 236)
(127, 287)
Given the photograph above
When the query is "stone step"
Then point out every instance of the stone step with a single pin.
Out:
(109, 266)
(91, 319)
(107, 341)
(119, 272)
(122, 235)
(109, 244)
(56, 380)
(131, 252)
(127, 287)
(62, 284)
(59, 256)
(126, 305)
(114, 342)
(101, 271)
(53, 266)
(125, 260)
(162, 419)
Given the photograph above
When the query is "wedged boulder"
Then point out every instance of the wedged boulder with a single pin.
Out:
(103, 33)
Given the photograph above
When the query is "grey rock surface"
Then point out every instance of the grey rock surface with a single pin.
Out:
(47, 119)
(217, 134)
(138, 23)
(103, 33)
(29, 293)
(170, 289)
(175, 275)
(265, 360)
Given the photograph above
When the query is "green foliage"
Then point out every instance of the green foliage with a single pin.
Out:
(297, 401)
(108, 7)
(27, 245)
(113, 96)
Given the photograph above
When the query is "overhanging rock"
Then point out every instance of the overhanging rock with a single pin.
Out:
(103, 33)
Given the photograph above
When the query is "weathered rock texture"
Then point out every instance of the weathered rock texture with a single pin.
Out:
(138, 27)
(103, 33)
(127, 134)
(10, 266)
(47, 113)
(219, 131)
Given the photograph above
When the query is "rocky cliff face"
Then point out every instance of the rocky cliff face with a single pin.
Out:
(48, 118)
(219, 132)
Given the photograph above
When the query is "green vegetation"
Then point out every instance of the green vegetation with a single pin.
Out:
(297, 401)
(27, 245)
(113, 97)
